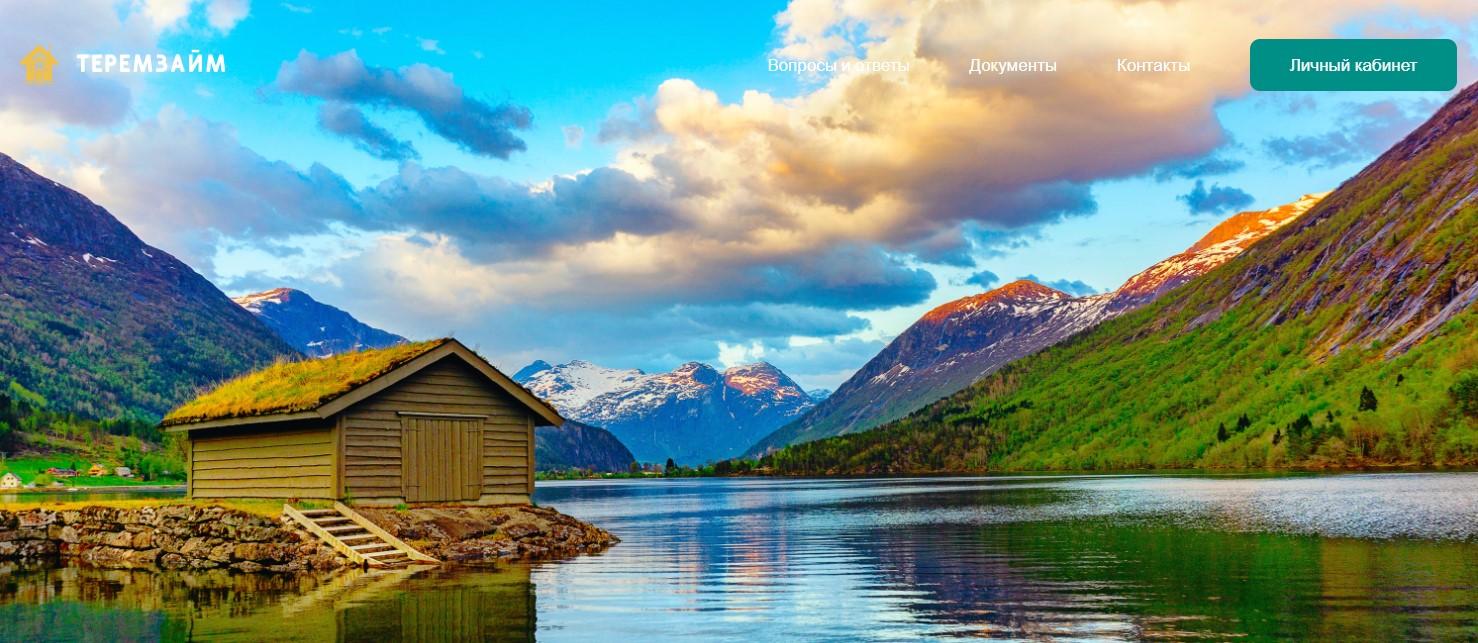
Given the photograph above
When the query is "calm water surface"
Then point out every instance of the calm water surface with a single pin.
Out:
(1359, 557)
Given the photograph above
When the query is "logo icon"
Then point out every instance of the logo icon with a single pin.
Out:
(38, 66)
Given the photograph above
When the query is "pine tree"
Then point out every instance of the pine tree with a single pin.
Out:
(1300, 442)
(1243, 423)
(1221, 432)
(1367, 399)
(1465, 394)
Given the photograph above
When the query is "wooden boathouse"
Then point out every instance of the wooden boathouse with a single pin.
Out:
(427, 422)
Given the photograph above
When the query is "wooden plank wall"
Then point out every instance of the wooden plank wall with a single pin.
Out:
(443, 457)
(372, 431)
(264, 463)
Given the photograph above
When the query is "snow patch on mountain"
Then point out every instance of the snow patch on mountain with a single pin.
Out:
(573, 385)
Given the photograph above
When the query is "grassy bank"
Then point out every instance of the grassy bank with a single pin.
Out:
(35, 436)
(262, 507)
(33, 469)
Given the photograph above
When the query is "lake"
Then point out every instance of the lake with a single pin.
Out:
(1367, 557)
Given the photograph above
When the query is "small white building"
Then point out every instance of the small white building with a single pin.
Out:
(123, 472)
(10, 481)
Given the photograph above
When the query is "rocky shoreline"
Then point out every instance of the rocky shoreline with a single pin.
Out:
(470, 534)
(166, 536)
(183, 536)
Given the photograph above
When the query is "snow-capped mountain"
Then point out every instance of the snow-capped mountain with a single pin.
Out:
(957, 343)
(818, 394)
(315, 328)
(573, 385)
(693, 414)
(1228, 239)
(763, 396)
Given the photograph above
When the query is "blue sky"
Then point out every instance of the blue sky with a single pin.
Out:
(729, 213)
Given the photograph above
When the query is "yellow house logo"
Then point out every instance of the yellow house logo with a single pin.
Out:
(38, 66)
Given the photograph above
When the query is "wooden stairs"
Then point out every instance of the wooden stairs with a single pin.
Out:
(363, 542)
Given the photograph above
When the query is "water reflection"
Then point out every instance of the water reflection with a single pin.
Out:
(441, 605)
(420, 604)
(1147, 581)
(1326, 557)
(1028, 557)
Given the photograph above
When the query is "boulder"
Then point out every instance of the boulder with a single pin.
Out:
(522, 530)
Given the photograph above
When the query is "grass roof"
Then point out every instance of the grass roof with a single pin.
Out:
(292, 386)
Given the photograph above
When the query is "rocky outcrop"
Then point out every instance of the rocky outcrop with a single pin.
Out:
(478, 534)
(169, 537)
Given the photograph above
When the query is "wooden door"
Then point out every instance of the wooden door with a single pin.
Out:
(441, 458)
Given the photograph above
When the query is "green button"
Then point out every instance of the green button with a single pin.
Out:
(1354, 64)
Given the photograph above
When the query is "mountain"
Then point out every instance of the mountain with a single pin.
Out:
(534, 368)
(569, 387)
(316, 329)
(693, 414)
(579, 446)
(957, 343)
(1225, 241)
(818, 394)
(1345, 338)
(100, 323)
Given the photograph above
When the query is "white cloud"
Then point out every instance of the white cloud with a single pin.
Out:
(821, 199)
(223, 15)
(22, 135)
(185, 184)
(165, 14)
(220, 15)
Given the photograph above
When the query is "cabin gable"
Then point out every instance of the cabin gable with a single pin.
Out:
(442, 434)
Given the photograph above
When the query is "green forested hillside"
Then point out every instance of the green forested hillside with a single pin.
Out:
(101, 324)
(580, 447)
(29, 425)
(1346, 339)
